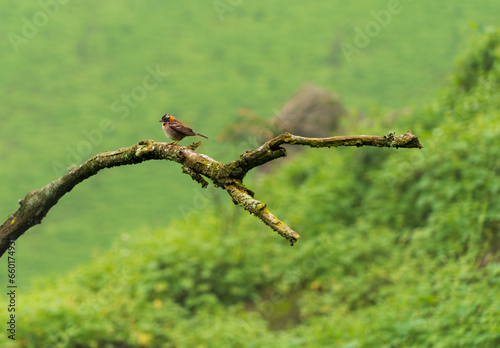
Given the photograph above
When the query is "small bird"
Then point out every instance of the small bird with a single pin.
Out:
(177, 130)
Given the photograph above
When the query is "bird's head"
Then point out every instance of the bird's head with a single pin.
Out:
(167, 118)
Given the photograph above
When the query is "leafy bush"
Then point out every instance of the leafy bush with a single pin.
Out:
(399, 249)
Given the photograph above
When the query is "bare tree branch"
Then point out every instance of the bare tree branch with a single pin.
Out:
(271, 149)
(37, 203)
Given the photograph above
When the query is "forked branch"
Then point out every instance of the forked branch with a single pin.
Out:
(37, 203)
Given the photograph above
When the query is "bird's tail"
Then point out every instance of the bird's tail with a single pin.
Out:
(201, 135)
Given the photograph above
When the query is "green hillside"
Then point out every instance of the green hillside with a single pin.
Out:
(400, 248)
(67, 68)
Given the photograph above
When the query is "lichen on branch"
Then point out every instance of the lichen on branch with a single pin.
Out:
(200, 167)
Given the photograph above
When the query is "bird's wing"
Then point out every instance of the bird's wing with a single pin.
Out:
(181, 128)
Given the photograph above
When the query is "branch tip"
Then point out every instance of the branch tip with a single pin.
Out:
(195, 176)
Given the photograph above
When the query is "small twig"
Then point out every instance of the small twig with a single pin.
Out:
(195, 176)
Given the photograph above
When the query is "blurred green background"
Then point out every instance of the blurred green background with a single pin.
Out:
(411, 256)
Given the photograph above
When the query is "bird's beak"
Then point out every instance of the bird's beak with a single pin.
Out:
(160, 121)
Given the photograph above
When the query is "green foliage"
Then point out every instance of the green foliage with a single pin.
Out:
(480, 62)
(400, 248)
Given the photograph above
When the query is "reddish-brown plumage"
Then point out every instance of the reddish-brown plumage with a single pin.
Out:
(177, 130)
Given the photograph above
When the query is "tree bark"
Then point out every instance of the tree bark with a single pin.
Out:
(229, 177)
